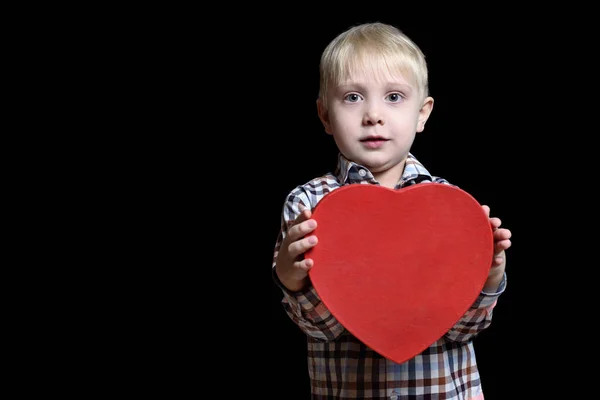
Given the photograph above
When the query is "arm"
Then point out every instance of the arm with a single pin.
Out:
(290, 271)
(479, 316)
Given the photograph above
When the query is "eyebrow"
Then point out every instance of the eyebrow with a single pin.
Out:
(389, 86)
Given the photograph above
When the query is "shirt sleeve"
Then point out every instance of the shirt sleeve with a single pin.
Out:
(478, 317)
(304, 307)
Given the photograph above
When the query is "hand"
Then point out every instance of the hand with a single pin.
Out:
(501, 242)
(291, 267)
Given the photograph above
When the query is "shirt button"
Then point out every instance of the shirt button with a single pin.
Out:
(362, 172)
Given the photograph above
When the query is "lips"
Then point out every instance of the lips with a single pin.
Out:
(373, 142)
(374, 139)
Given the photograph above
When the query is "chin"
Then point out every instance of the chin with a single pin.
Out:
(376, 168)
(377, 165)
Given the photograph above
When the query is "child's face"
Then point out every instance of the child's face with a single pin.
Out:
(374, 121)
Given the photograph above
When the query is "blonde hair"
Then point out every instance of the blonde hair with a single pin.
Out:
(377, 47)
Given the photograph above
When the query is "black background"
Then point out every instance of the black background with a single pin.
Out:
(210, 120)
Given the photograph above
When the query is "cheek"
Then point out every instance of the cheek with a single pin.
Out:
(345, 130)
(405, 123)
(339, 124)
(345, 119)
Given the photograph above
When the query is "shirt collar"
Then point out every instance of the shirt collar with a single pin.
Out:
(350, 172)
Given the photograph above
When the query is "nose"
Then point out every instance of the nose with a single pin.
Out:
(373, 118)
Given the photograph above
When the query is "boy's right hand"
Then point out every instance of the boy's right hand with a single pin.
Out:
(292, 268)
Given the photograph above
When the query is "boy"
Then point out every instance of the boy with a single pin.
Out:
(373, 99)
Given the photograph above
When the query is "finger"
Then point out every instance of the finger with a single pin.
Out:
(495, 222)
(305, 213)
(498, 260)
(486, 209)
(305, 264)
(502, 234)
(302, 229)
(300, 247)
(502, 245)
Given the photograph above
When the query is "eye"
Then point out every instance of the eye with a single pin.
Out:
(353, 98)
(394, 97)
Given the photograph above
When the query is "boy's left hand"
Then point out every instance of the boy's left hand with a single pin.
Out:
(501, 240)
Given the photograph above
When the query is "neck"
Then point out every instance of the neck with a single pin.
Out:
(390, 177)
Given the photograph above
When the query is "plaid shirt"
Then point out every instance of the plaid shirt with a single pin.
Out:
(339, 365)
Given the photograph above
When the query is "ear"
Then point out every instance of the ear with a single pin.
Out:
(323, 116)
(424, 113)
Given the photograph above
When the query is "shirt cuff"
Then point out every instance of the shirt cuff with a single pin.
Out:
(304, 299)
(487, 299)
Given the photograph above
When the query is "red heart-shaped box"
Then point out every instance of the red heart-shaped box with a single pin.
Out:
(398, 268)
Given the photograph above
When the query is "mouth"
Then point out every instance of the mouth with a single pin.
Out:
(374, 139)
(373, 142)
